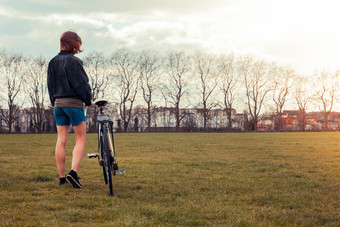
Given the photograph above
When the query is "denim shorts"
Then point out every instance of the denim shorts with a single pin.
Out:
(66, 115)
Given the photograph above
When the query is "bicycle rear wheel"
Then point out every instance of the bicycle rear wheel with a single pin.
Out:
(101, 151)
(107, 162)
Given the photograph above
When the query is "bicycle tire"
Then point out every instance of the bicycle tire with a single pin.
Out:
(101, 150)
(102, 155)
(107, 162)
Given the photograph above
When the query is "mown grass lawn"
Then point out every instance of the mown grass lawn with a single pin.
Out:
(250, 179)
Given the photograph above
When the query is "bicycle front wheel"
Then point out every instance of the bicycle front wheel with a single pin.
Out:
(107, 162)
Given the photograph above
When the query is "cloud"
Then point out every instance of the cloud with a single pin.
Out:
(103, 32)
(302, 34)
(118, 6)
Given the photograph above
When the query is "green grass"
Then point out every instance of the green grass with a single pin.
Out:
(251, 179)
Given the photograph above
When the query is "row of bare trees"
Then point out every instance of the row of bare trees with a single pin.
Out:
(23, 80)
(175, 79)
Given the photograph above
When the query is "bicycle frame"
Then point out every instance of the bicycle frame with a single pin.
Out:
(106, 149)
(105, 127)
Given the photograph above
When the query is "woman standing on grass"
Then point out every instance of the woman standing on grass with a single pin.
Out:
(69, 89)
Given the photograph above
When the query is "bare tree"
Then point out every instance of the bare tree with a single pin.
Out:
(282, 85)
(177, 66)
(325, 92)
(96, 66)
(12, 76)
(228, 84)
(126, 78)
(256, 76)
(36, 89)
(302, 100)
(208, 80)
(3, 55)
(150, 66)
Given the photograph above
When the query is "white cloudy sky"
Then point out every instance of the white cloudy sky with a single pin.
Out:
(304, 34)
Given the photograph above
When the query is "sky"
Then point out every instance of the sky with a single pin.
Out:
(302, 34)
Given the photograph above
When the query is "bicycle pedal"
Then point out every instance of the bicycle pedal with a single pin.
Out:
(120, 171)
(94, 155)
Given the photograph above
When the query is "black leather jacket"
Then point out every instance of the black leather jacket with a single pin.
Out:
(66, 77)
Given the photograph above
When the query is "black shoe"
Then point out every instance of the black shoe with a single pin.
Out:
(73, 179)
(62, 181)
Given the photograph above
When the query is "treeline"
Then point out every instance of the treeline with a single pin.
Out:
(174, 79)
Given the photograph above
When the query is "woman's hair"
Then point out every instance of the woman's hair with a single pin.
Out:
(71, 42)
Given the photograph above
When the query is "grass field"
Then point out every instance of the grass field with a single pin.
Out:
(250, 179)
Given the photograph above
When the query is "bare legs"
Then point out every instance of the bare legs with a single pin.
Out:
(78, 150)
(80, 133)
(60, 149)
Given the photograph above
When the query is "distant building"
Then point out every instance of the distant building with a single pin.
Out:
(266, 123)
(163, 119)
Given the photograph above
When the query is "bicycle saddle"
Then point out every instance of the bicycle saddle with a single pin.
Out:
(101, 102)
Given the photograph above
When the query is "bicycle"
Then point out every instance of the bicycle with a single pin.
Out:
(106, 149)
